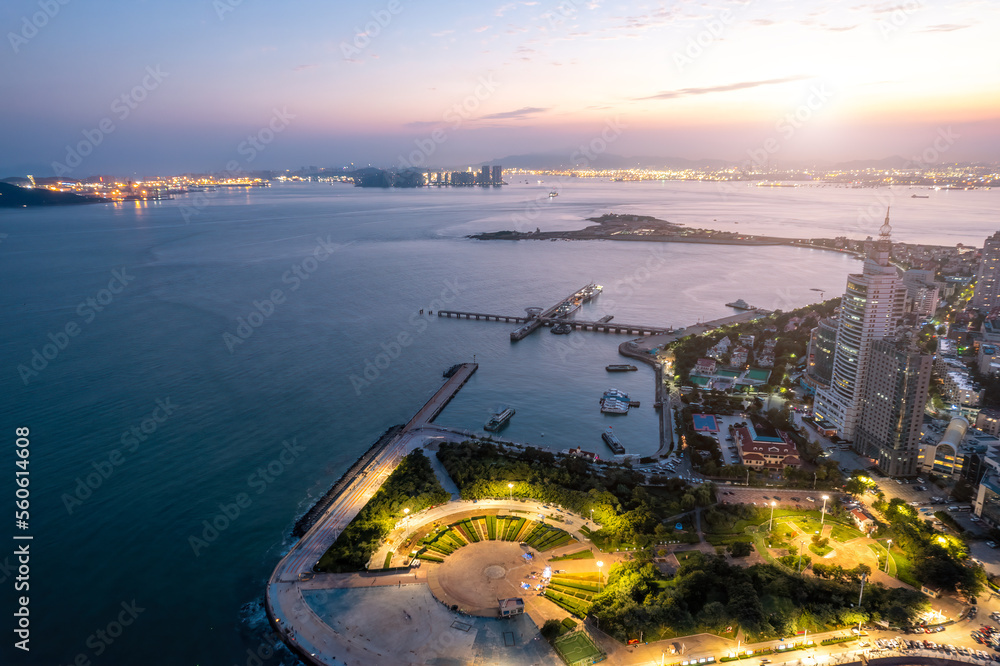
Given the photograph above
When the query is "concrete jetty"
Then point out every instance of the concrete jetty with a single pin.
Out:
(301, 629)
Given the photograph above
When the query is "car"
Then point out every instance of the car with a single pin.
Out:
(991, 544)
(794, 499)
(810, 499)
(920, 480)
(939, 629)
(975, 519)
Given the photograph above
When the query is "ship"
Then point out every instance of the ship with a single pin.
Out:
(919, 196)
(562, 329)
(614, 401)
(613, 442)
(740, 304)
(553, 193)
(622, 367)
(499, 420)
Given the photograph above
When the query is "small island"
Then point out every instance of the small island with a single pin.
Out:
(627, 227)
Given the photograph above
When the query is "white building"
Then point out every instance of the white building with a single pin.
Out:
(870, 310)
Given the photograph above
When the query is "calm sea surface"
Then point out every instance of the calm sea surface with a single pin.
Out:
(120, 485)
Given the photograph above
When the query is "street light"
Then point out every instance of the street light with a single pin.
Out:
(510, 489)
(823, 516)
(770, 523)
(406, 514)
(888, 554)
(600, 575)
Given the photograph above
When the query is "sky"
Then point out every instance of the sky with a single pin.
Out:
(143, 87)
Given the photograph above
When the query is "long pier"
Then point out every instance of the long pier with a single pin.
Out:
(304, 632)
(605, 327)
(510, 319)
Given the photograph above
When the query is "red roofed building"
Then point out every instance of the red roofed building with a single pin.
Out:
(864, 523)
(704, 366)
(763, 446)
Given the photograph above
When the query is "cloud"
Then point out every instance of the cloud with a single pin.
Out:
(840, 28)
(442, 33)
(482, 28)
(517, 113)
(503, 9)
(944, 27)
(743, 85)
(302, 68)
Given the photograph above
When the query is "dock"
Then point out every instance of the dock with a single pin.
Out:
(536, 318)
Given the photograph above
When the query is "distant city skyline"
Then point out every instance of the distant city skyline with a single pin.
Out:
(207, 84)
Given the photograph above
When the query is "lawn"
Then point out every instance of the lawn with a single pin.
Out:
(388, 559)
(684, 555)
(576, 647)
(820, 550)
(844, 533)
(879, 550)
(904, 569)
(579, 555)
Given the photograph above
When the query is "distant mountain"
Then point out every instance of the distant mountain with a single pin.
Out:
(12, 196)
(573, 157)
(893, 162)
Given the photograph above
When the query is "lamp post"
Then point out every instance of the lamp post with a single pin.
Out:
(822, 518)
(864, 577)
(406, 514)
(510, 491)
(888, 554)
(600, 575)
(770, 523)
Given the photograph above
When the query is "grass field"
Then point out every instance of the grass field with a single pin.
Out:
(684, 555)
(844, 533)
(575, 647)
(579, 555)
(388, 559)
(820, 550)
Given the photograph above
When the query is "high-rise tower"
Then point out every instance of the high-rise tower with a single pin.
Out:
(870, 310)
(987, 294)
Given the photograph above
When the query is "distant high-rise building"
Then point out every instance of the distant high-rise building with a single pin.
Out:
(921, 291)
(894, 394)
(987, 294)
(497, 175)
(870, 310)
(484, 175)
(822, 344)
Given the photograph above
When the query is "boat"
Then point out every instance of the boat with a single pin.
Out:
(613, 442)
(621, 367)
(499, 420)
(553, 193)
(740, 304)
(562, 329)
(614, 401)
(605, 319)
(920, 196)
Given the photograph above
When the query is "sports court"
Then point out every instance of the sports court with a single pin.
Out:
(577, 648)
(705, 423)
